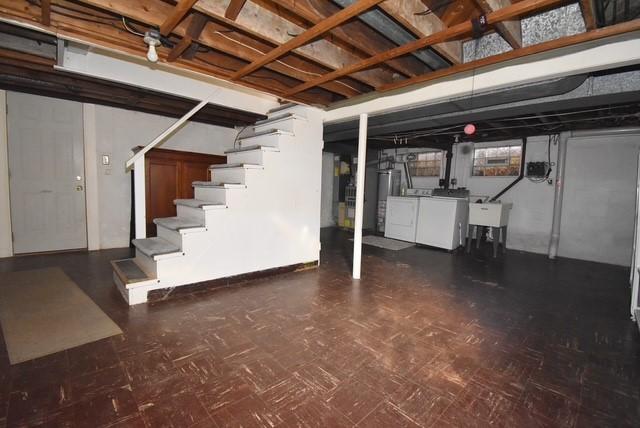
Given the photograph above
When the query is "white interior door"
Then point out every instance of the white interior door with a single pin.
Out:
(46, 164)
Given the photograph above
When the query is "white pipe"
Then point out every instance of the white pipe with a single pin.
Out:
(557, 201)
(362, 161)
(160, 138)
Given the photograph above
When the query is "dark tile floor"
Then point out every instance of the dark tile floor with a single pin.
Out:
(425, 339)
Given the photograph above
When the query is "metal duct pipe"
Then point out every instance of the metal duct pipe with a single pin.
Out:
(554, 240)
(607, 131)
(447, 170)
(523, 162)
(407, 174)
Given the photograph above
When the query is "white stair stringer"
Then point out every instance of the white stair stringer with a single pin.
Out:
(260, 211)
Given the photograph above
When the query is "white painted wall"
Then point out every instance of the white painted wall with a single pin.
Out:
(599, 199)
(326, 205)
(530, 220)
(113, 132)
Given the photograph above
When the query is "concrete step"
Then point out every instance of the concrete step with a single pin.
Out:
(179, 224)
(130, 273)
(283, 121)
(196, 203)
(155, 247)
(255, 147)
(235, 165)
(212, 185)
(268, 137)
(281, 109)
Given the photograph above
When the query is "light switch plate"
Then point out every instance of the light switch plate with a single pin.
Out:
(106, 160)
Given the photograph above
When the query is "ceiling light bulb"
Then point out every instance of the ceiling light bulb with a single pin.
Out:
(152, 55)
(152, 38)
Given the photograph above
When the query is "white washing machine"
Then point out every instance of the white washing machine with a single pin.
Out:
(401, 218)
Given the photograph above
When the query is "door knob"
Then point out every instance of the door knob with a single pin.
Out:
(79, 188)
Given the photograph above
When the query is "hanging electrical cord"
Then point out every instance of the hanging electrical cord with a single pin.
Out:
(126, 27)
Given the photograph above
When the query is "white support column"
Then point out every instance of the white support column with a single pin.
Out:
(362, 166)
(6, 244)
(91, 176)
(139, 200)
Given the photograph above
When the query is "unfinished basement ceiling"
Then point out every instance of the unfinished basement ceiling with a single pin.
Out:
(608, 99)
(323, 51)
(27, 60)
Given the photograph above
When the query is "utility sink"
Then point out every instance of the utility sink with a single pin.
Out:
(490, 214)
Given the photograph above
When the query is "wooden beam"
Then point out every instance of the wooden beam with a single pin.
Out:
(222, 38)
(410, 13)
(510, 30)
(354, 33)
(198, 21)
(463, 29)
(216, 63)
(588, 13)
(313, 32)
(234, 8)
(45, 5)
(264, 24)
(563, 42)
(177, 15)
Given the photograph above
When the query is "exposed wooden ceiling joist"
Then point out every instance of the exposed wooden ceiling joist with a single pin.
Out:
(354, 32)
(589, 36)
(45, 5)
(455, 32)
(177, 15)
(262, 23)
(214, 35)
(452, 12)
(306, 36)
(198, 21)
(234, 8)
(588, 13)
(106, 30)
(510, 30)
(414, 15)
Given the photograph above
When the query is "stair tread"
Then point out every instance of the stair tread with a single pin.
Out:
(272, 131)
(197, 203)
(155, 246)
(253, 147)
(279, 117)
(129, 271)
(236, 165)
(213, 185)
(177, 223)
(282, 107)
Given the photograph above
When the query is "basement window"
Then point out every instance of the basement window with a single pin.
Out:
(497, 161)
(425, 164)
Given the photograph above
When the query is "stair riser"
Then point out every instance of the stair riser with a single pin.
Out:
(211, 195)
(146, 263)
(272, 140)
(229, 175)
(196, 214)
(254, 156)
(290, 125)
(170, 235)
